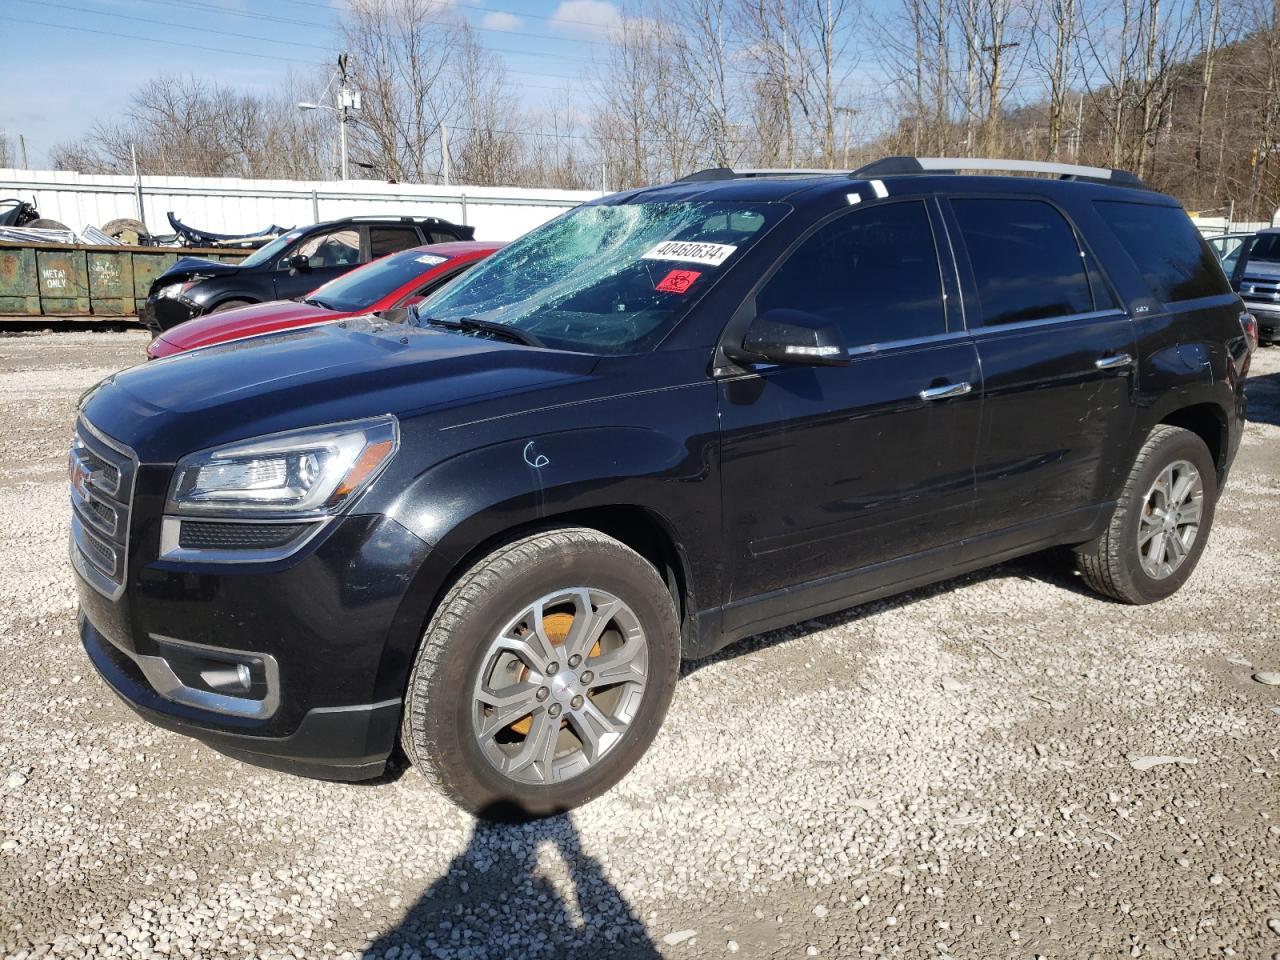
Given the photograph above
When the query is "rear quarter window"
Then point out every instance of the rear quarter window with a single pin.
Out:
(1169, 251)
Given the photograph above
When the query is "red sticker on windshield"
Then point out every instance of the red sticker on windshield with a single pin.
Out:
(678, 281)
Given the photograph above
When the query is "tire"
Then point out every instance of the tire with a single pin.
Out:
(230, 305)
(1113, 564)
(128, 230)
(440, 728)
(44, 223)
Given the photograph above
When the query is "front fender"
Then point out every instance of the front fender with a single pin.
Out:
(477, 497)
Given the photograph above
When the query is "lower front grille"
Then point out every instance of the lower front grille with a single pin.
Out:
(101, 473)
(212, 535)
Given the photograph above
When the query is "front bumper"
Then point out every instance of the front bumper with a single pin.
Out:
(327, 638)
(333, 743)
(1268, 316)
(161, 313)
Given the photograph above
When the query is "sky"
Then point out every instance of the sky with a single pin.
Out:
(68, 63)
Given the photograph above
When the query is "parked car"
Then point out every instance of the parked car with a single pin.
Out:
(289, 266)
(1226, 247)
(668, 419)
(1257, 277)
(396, 280)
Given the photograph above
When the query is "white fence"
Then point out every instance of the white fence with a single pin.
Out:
(243, 206)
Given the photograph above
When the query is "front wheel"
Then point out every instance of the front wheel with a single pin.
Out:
(230, 305)
(543, 675)
(1160, 523)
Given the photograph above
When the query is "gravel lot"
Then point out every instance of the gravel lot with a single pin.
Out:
(963, 771)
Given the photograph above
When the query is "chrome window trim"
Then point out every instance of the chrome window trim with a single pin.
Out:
(856, 353)
(171, 530)
(1048, 322)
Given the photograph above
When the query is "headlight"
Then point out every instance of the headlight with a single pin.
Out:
(173, 290)
(304, 473)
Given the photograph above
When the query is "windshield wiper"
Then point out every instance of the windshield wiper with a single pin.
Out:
(316, 302)
(514, 334)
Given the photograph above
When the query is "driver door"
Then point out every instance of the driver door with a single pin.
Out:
(832, 471)
(330, 254)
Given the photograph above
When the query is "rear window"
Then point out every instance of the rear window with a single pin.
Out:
(1169, 251)
(360, 289)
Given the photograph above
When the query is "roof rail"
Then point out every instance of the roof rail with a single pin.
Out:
(895, 166)
(396, 217)
(727, 173)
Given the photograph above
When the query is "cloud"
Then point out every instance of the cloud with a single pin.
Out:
(595, 18)
(501, 21)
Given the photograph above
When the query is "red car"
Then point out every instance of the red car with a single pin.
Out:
(397, 280)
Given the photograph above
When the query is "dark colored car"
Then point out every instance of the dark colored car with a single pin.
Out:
(396, 280)
(1257, 277)
(668, 419)
(292, 265)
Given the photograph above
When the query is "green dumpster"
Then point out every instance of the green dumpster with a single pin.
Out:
(65, 280)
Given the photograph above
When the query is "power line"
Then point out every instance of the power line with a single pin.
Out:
(328, 49)
(471, 4)
(269, 18)
(199, 46)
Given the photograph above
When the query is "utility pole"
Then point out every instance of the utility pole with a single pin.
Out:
(22, 145)
(444, 152)
(344, 103)
(1076, 140)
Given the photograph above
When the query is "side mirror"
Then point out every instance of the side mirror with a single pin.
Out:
(300, 263)
(793, 336)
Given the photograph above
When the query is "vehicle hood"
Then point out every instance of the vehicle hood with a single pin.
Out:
(314, 375)
(1262, 269)
(188, 267)
(245, 322)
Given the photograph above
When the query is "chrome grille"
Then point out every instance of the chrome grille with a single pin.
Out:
(1260, 288)
(101, 474)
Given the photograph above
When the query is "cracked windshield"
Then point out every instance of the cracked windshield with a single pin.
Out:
(609, 279)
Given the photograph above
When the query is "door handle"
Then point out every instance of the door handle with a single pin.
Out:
(1113, 362)
(945, 391)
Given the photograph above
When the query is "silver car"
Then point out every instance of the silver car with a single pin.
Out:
(1258, 280)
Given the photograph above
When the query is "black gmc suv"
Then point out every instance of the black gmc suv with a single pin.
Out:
(290, 266)
(666, 420)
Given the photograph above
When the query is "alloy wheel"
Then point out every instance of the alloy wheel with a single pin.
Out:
(559, 686)
(1170, 519)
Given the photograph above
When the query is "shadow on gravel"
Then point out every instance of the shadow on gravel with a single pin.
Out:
(494, 901)
(1055, 567)
(1264, 398)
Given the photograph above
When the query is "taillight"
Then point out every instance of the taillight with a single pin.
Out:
(1249, 324)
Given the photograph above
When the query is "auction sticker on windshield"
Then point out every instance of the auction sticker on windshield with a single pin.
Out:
(431, 259)
(687, 251)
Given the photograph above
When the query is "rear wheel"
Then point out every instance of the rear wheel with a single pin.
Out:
(1160, 523)
(543, 676)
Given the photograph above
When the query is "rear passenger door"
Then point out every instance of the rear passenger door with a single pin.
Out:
(829, 469)
(1057, 356)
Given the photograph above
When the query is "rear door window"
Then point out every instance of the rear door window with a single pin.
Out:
(872, 271)
(1170, 253)
(384, 240)
(1026, 261)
